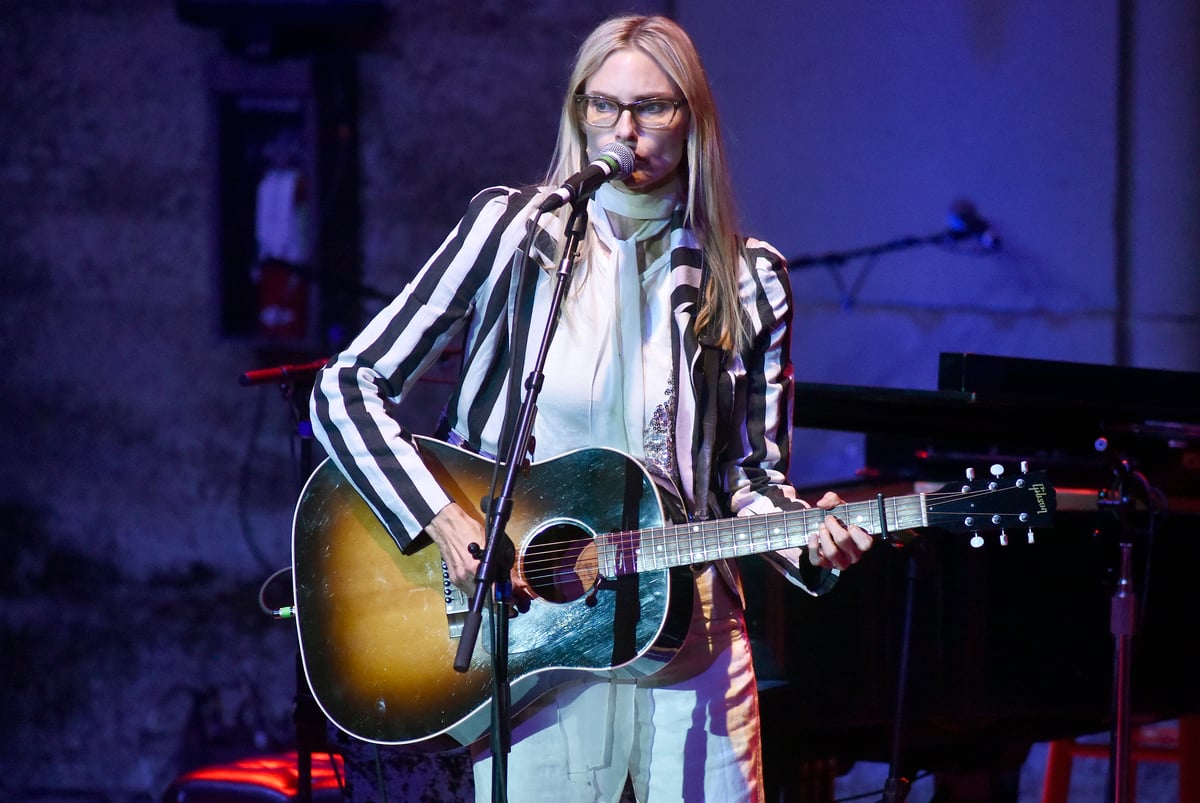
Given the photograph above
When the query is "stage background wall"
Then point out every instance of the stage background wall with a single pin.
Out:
(146, 496)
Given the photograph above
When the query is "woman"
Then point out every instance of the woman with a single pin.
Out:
(668, 307)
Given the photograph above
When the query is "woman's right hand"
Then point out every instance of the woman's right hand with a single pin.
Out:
(455, 532)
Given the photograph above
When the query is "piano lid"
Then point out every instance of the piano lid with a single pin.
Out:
(1117, 393)
(1012, 396)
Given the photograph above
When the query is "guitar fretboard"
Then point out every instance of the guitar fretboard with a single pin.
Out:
(657, 548)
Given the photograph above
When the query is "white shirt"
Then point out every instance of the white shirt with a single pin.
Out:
(608, 371)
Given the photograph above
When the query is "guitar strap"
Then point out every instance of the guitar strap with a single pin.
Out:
(709, 398)
(714, 421)
(714, 429)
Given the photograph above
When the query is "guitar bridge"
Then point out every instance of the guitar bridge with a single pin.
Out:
(457, 604)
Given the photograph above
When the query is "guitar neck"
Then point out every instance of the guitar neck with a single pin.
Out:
(683, 544)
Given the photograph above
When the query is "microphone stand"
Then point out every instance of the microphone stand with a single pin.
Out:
(1123, 626)
(496, 557)
(897, 785)
(838, 258)
(295, 385)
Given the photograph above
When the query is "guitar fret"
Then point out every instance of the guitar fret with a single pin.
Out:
(696, 542)
(903, 514)
(701, 542)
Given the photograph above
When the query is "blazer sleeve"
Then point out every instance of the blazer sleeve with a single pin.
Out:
(353, 394)
(756, 458)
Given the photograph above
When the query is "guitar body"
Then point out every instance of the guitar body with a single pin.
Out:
(378, 629)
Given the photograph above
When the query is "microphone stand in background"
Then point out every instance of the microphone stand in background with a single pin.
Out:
(965, 223)
(1129, 487)
(295, 385)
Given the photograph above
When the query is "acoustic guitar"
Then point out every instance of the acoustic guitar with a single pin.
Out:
(612, 573)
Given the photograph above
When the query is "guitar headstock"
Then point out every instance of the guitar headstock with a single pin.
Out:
(1007, 504)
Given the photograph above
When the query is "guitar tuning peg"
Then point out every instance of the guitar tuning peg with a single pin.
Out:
(1024, 466)
(996, 470)
(971, 474)
(976, 541)
(1003, 538)
(1029, 536)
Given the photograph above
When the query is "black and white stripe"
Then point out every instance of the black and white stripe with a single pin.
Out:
(470, 285)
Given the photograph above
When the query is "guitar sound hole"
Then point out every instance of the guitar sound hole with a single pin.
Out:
(559, 563)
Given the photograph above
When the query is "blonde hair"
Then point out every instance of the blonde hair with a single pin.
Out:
(709, 210)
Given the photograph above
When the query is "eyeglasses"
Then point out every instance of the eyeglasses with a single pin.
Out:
(603, 112)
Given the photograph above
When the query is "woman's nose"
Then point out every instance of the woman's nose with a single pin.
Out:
(626, 127)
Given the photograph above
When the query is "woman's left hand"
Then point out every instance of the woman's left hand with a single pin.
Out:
(836, 545)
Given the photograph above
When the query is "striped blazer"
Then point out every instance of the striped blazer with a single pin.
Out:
(470, 291)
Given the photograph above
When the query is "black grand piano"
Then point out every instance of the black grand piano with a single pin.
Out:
(1010, 645)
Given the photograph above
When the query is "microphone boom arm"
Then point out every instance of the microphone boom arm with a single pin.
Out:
(838, 258)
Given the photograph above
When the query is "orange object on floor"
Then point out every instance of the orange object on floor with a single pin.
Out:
(257, 780)
(1177, 742)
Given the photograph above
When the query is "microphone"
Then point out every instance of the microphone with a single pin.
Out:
(615, 163)
(965, 221)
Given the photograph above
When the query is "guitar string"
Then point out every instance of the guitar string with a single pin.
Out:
(701, 538)
(706, 537)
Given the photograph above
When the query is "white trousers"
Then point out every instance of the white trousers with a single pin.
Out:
(688, 733)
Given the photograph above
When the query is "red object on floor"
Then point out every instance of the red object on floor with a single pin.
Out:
(258, 779)
(1177, 742)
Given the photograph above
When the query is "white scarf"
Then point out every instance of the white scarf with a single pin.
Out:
(598, 370)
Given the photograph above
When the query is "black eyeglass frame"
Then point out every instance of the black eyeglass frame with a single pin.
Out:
(632, 108)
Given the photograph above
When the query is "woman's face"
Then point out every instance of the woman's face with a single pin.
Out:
(627, 76)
